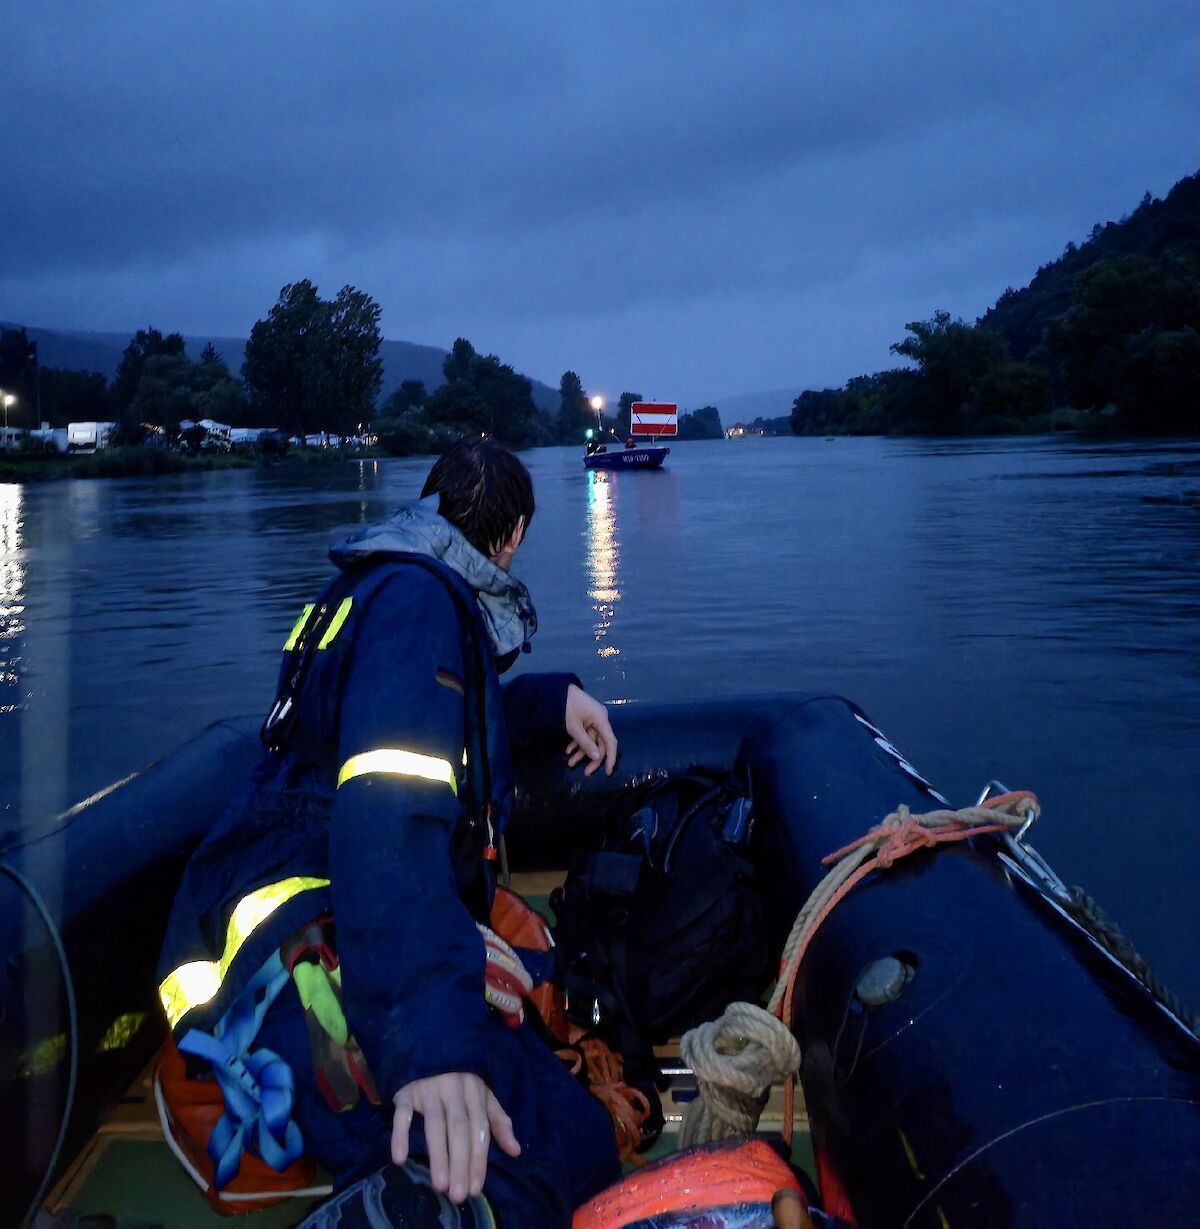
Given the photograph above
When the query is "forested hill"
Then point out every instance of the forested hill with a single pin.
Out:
(1155, 229)
(1107, 337)
(74, 350)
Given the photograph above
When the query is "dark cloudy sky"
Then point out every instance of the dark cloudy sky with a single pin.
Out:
(690, 200)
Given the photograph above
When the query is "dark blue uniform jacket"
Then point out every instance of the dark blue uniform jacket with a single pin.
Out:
(406, 671)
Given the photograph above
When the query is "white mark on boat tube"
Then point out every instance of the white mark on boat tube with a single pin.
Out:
(881, 741)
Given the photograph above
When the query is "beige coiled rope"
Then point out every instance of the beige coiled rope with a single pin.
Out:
(736, 1060)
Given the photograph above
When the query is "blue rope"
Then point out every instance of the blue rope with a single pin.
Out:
(259, 1089)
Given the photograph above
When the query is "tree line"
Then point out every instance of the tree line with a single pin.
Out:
(1111, 330)
(482, 394)
(311, 365)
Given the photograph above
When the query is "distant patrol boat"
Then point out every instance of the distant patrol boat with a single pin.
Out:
(647, 420)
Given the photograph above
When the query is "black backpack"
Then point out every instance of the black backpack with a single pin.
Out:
(660, 926)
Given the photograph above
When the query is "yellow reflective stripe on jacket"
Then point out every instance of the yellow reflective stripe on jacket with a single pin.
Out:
(290, 643)
(193, 984)
(335, 624)
(393, 761)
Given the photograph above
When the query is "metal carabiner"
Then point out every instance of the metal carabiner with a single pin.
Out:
(994, 787)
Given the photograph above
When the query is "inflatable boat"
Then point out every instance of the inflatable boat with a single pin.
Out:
(1017, 1072)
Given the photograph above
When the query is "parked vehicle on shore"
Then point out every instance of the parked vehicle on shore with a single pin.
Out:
(89, 436)
(250, 437)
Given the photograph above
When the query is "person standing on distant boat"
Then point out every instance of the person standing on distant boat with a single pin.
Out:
(385, 784)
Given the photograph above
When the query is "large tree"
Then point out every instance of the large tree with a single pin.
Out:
(482, 395)
(145, 344)
(953, 358)
(457, 364)
(313, 364)
(173, 388)
(574, 414)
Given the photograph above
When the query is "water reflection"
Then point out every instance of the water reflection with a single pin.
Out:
(368, 481)
(603, 557)
(12, 597)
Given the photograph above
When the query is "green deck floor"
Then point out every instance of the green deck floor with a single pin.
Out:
(142, 1185)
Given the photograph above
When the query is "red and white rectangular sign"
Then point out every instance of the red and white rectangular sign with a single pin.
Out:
(653, 418)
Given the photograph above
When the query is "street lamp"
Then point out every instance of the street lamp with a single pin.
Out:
(597, 404)
(8, 399)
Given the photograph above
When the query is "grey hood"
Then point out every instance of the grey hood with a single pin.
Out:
(417, 529)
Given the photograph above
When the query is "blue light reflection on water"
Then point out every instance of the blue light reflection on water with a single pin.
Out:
(1026, 609)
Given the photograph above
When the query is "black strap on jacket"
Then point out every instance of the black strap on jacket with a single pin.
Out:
(276, 729)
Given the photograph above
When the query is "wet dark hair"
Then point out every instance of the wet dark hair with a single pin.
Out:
(484, 490)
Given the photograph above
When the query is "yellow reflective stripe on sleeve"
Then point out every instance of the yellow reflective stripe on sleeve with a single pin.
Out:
(335, 624)
(393, 761)
(188, 986)
(197, 982)
(290, 643)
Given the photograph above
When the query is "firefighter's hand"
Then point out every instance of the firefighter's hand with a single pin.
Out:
(461, 1118)
(592, 736)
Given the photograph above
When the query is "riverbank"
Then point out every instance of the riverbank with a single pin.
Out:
(137, 462)
(1063, 420)
(142, 462)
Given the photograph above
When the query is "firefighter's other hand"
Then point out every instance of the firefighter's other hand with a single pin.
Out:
(462, 1117)
(592, 736)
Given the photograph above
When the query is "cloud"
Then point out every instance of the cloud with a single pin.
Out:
(536, 171)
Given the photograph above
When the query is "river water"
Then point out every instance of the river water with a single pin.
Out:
(1023, 609)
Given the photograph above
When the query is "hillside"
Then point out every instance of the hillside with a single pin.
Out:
(77, 350)
(1106, 337)
(1153, 229)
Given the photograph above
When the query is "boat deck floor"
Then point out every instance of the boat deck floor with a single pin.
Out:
(127, 1172)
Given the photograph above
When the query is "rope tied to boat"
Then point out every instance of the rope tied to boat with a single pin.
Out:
(898, 835)
(737, 1060)
(1080, 906)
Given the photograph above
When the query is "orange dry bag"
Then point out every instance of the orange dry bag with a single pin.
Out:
(732, 1174)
